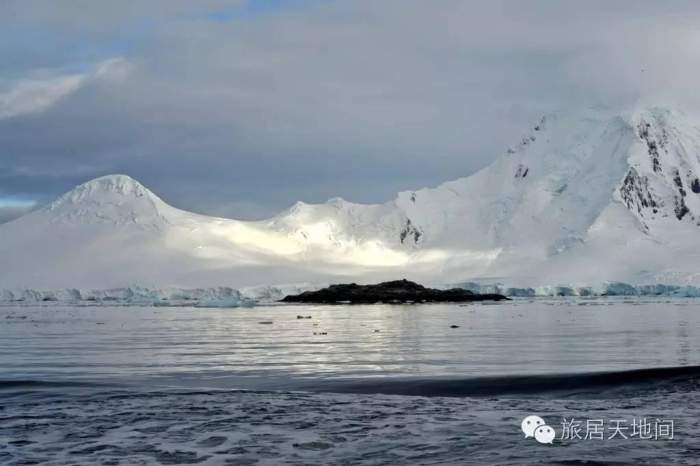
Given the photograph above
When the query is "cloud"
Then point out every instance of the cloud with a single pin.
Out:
(88, 16)
(242, 115)
(12, 208)
(36, 94)
(10, 213)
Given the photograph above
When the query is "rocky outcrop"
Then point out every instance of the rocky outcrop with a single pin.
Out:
(636, 193)
(654, 143)
(411, 232)
(394, 292)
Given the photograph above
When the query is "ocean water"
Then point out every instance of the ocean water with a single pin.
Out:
(420, 384)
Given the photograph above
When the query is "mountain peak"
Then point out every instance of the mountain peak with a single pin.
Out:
(117, 184)
(114, 179)
(113, 199)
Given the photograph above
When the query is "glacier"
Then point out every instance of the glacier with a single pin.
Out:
(141, 296)
(600, 290)
(592, 202)
(225, 297)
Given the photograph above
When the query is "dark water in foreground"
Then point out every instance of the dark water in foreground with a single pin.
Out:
(365, 384)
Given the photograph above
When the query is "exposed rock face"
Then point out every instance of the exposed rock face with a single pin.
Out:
(394, 292)
(410, 232)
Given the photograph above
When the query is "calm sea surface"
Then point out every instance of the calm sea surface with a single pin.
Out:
(421, 384)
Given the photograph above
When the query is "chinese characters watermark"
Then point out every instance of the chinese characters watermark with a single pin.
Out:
(641, 428)
(598, 429)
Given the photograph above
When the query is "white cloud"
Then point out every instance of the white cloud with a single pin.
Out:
(37, 93)
(30, 96)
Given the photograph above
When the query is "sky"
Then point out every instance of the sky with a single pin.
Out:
(240, 108)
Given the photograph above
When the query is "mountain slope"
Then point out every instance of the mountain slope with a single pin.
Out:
(582, 198)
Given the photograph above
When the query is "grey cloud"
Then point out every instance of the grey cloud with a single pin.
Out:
(10, 213)
(359, 99)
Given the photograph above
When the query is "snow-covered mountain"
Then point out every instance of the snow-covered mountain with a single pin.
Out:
(582, 199)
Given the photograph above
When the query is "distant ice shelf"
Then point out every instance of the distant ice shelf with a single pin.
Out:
(226, 297)
(142, 296)
(605, 289)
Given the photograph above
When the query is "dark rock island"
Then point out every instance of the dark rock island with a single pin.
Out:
(394, 292)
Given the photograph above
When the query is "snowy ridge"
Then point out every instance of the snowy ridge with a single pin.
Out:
(584, 198)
